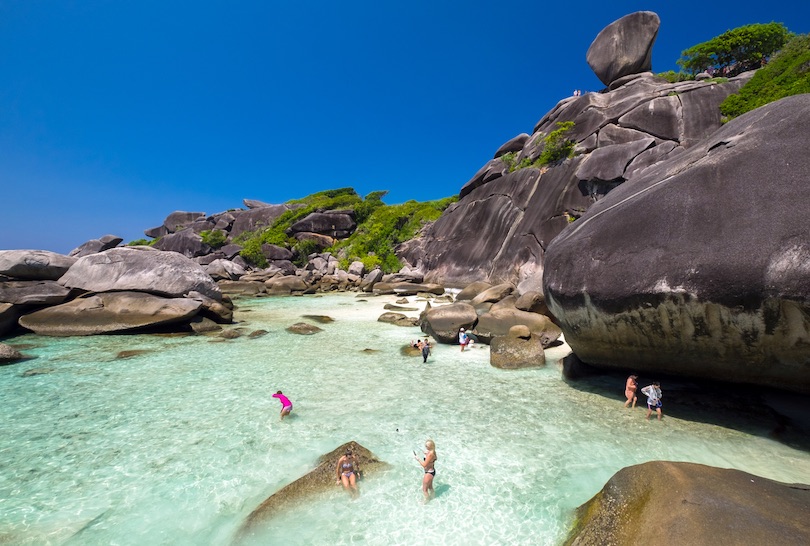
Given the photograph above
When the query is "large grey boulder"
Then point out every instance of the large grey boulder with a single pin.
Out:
(699, 266)
(624, 47)
(284, 286)
(663, 502)
(34, 265)
(163, 273)
(224, 269)
(517, 349)
(109, 312)
(185, 242)
(500, 228)
(443, 323)
(253, 219)
(33, 292)
(92, 246)
(499, 320)
(334, 223)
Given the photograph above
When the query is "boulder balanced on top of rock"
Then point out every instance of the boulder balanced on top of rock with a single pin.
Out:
(624, 47)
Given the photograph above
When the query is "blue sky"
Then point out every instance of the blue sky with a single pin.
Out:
(113, 114)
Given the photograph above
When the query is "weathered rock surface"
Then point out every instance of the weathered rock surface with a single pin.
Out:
(109, 312)
(624, 47)
(304, 329)
(660, 275)
(33, 292)
(443, 323)
(284, 286)
(334, 223)
(9, 354)
(397, 319)
(96, 245)
(515, 215)
(163, 273)
(186, 242)
(317, 482)
(685, 503)
(517, 349)
(499, 320)
(34, 265)
(225, 270)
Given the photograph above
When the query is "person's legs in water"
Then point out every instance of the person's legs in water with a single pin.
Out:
(427, 486)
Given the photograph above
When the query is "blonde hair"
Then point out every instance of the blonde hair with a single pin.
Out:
(430, 445)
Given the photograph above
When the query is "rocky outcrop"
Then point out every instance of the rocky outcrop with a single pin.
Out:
(163, 273)
(9, 354)
(624, 47)
(517, 349)
(186, 242)
(337, 224)
(699, 266)
(33, 292)
(397, 319)
(443, 323)
(109, 312)
(35, 265)
(316, 482)
(619, 135)
(96, 245)
(499, 320)
(687, 503)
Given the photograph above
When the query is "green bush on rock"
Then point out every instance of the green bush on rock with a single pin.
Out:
(788, 73)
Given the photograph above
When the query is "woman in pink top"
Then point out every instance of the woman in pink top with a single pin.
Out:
(286, 405)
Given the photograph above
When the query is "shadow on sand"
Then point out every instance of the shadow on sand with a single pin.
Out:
(779, 415)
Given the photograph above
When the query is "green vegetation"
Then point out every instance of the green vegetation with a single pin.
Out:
(675, 77)
(737, 50)
(142, 242)
(556, 147)
(214, 238)
(375, 240)
(788, 73)
(380, 228)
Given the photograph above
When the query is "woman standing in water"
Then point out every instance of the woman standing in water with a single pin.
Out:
(428, 464)
(347, 470)
(630, 390)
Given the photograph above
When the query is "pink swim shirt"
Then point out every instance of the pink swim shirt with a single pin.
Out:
(285, 402)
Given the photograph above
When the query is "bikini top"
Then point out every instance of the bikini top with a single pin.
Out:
(347, 464)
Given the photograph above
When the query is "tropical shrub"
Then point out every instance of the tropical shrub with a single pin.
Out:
(737, 50)
(787, 73)
(675, 77)
(556, 146)
(214, 238)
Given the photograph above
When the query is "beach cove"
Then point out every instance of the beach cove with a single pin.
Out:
(179, 442)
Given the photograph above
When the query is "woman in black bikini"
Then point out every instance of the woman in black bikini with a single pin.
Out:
(347, 470)
(428, 464)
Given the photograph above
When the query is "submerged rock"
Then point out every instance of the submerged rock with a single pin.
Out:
(303, 328)
(316, 482)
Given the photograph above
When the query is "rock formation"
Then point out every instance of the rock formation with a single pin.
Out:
(109, 312)
(312, 484)
(517, 349)
(624, 47)
(687, 503)
(516, 212)
(700, 265)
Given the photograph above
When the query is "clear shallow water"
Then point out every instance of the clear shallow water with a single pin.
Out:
(177, 445)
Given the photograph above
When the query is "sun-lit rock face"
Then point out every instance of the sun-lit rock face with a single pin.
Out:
(624, 47)
(701, 266)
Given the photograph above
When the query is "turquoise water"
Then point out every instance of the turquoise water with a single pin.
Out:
(178, 444)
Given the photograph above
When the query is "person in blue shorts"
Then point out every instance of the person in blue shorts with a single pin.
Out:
(654, 395)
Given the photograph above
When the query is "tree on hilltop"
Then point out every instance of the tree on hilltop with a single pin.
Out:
(737, 50)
